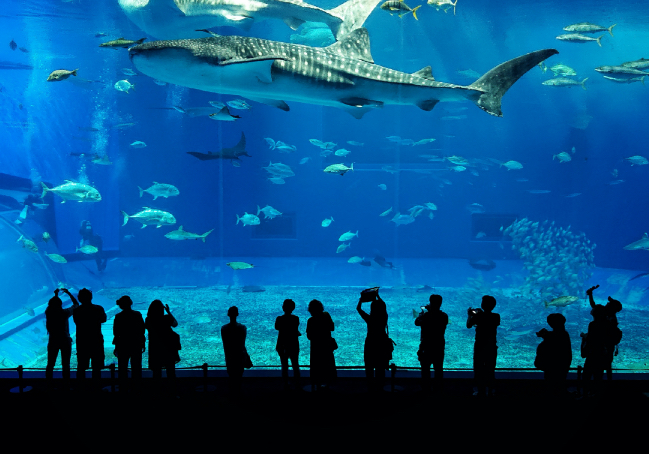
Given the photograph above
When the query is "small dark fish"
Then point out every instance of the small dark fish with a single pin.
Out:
(13, 45)
(36, 330)
(638, 276)
(227, 291)
(425, 289)
(252, 289)
(482, 264)
(382, 262)
(29, 311)
(82, 128)
(100, 35)
(365, 263)
(23, 49)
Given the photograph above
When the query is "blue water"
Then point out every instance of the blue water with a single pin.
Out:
(44, 125)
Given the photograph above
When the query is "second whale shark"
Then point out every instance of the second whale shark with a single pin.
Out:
(342, 75)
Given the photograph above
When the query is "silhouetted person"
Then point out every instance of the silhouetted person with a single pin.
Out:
(163, 341)
(318, 331)
(431, 347)
(485, 349)
(88, 237)
(58, 328)
(288, 344)
(233, 336)
(554, 354)
(610, 311)
(375, 352)
(596, 347)
(129, 341)
(90, 342)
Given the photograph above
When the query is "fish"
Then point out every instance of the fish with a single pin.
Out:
(231, 153)
(313, 34)
(565, 82)
(380, 260)
(197, 111)
(61, 74)
(100, 159)
(480, 235)
(400, 7)
(416, 210)
(40, 206)
(284, 147)
(458, 160)
(643, 63)
(562, 157)
(543, 67)
(586, 27)
(620, 72)
(122, 42)
(87, 249)
(160, 190)
(642, 243)
(454, 117)
(23, 49)
(128, 237)
(348, 236)
(224, 115)
(443, 4)
(561, 301)
(625, 81)
(457, 168)
(27, 243)
(128, 72)
(277, 180)
(71, 190)
(46, 237)
(252, 289)
(431, 206)
(423, 142)
(150, 216)
(181, 234)
(357, 144)
(270, 142)
(563, 70)
(240, 266)
(614, 182)
(475, 208)
(327, 222)
(382, 187)
(267, 71)
(304, 160)
(248, 219)
(279, 170)
(402, 219)
(29, 311)
(355, 259)
(124, 85)
(317, 143)
(138, 144)
(512, 165)
(342, 247)
(482, 264)
(159, 82)
(637, 160)
(238, 104)
(574, 194)
(217, 104)
(340, 169)
(342, 152)
(13, 45)
(100, 34)
(538, 191)
(577, 38)
(269, 212)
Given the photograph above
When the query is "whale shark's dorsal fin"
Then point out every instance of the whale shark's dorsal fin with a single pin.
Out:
(354, 45)
(353, 14)
(293, 22)
(426, 73)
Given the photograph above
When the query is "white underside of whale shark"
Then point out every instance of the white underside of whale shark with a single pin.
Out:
(175, 19)
(342, 75)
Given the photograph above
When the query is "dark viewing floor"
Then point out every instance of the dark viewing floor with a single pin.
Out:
(519, 407)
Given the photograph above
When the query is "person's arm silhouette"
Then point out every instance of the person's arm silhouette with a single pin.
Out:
(589, 292)
(174, 322)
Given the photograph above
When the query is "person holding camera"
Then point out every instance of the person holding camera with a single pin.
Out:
(432, 321)
(164, 343)
(554, 354)
(318, 331)
(376, 352)
(90, 342)
(613, 332)
(58, 328)
(129, 341)
(485, 348)
(288, 344)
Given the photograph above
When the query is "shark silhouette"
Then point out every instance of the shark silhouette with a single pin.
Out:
(231, 153)
(342, 75)
(173, 19)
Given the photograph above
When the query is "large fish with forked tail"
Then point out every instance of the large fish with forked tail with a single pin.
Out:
(173, 19)
(342, 75)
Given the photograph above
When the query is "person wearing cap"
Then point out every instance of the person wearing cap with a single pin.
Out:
(233, 336)
(433, 322)
(129, 340)
(554, 354)
(88, 237)
(58, 328)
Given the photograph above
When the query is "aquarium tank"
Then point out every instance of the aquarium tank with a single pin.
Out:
(217, 153)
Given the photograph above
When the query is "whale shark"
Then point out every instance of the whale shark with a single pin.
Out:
(175, 19)
(342, 75)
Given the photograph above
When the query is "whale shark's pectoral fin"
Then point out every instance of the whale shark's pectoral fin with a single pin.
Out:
(358, 107)
(428, 104)
(355, 45)
(272, 102)
(293, 22)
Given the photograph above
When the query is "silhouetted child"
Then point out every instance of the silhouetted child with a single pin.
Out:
(288, 344)
(129, 341)
(376, 355)
(485, 350)
(554, 354)
(233, 336)
(90, 342)
(58, 328)
(433, 324)
(614, 335)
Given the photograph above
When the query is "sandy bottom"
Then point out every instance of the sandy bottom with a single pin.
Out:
(202, 311)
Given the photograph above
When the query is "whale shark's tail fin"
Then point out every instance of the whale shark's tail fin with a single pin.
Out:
(496, 82)
(353, 14)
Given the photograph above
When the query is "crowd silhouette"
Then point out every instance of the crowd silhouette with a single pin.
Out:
(553, 356)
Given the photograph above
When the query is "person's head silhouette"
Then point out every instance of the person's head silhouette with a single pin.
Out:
(85, 296)
(315, 307)
(557, 322)
(125, 303)
(377, 307)
(55, 303)
(156, 309)
(613, 306)
(288, 306)
(434, 302)
(233, 312)
(488, 303)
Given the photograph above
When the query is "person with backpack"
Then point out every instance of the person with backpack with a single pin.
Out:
(554, 354)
